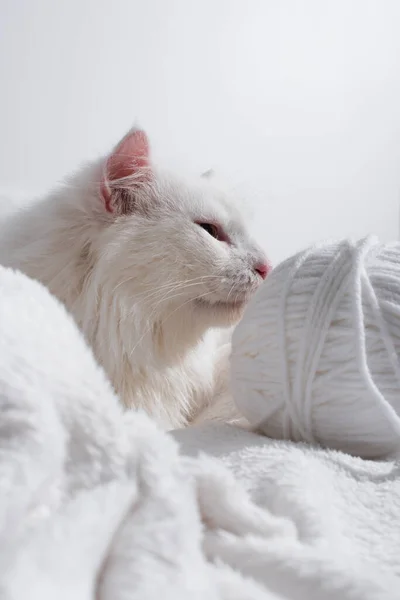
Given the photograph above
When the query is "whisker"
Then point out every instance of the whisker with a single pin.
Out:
(200, 278)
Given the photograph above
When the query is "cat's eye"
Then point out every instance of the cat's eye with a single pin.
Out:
(211, 229)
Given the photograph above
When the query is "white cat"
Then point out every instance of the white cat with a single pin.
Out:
(151, 266)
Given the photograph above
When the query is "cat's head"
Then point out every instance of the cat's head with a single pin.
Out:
(169, 244)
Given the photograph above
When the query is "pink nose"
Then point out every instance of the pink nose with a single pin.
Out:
(262, 269)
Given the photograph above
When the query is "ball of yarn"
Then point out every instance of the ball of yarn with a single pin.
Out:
(316, 355)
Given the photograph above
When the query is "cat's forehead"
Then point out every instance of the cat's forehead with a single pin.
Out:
(203, 200)
(207, 200)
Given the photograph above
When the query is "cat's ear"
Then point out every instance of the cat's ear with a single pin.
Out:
(127, 167)
(209, 174)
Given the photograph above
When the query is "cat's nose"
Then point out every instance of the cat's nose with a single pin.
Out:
(262, 269)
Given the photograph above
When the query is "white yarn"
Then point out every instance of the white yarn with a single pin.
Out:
(316, 356)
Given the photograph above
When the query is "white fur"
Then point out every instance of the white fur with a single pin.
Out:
(132, 283)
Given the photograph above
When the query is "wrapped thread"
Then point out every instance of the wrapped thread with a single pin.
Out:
(316, 355)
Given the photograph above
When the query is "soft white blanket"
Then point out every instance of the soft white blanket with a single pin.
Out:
(98, 504)
(345, 513)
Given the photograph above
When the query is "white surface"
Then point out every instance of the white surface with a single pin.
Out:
(301, 98)
(96, 503)
(344, 511)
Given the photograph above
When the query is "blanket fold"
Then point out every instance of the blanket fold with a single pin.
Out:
(97, 503)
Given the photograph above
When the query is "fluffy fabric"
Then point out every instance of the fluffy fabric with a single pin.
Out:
(344, 512)
(98, 504)
(95, 502)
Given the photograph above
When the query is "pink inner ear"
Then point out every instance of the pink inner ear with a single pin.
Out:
(131, 155)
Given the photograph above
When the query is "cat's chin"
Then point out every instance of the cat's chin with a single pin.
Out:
(223, 313)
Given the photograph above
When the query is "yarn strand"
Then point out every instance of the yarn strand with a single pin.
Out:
(316, 357)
